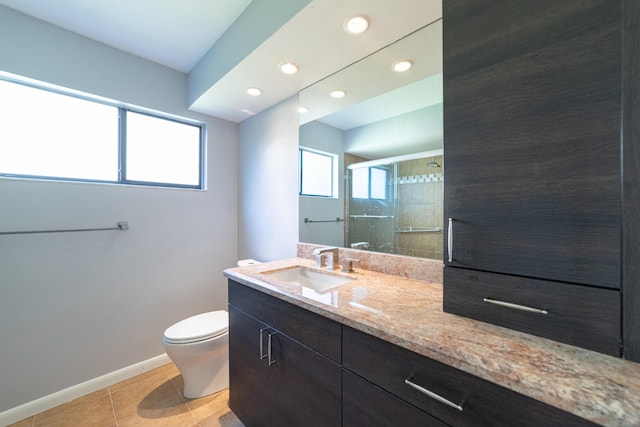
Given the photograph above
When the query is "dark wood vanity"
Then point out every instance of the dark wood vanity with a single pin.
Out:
(290, 366)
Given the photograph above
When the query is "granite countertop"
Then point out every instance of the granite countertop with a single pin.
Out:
(408, 312)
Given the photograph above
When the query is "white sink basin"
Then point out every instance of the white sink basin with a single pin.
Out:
(312, 279)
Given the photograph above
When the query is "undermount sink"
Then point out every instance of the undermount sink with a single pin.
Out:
(312, 279)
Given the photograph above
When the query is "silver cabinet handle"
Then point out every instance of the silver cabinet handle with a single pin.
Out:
(270, 359)
(515, 306)
(262, 355)
(450, 240)
(433, 395)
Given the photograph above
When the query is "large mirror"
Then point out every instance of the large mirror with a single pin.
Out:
(384, 139)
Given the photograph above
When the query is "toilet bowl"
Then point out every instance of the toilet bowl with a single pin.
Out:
(199, 347)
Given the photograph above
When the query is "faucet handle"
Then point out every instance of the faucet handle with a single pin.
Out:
(321, 260)
(347, 264)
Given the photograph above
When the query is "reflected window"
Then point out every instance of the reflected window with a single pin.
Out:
(369, 183)
(318, 173)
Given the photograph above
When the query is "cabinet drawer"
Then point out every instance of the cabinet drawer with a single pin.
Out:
(579, 315)
(367, 405)
(483, 403)
(319, 333)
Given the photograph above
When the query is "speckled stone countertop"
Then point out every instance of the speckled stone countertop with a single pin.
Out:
(408, 312)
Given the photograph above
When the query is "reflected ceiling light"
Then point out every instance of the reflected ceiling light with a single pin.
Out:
(288, 68)
(401, 66)
(338, 94)
(254, 91)
(302, 109)
(357, 24)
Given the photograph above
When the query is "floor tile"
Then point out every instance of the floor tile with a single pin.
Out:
(137, 378)
(153, 398)
(228, 419)
(72, 404)
(213, 410)
(28, 422)
(171, 370)
(153, 401)
(96, 413)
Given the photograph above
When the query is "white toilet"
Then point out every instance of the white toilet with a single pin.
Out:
(199, 347)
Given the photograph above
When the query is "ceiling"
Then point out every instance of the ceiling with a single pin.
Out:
(185, 36)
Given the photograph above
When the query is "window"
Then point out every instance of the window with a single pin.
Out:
(369, 183)
(52, 135)
(318, 173)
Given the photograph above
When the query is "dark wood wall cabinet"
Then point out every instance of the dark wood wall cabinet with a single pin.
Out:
(289, 367)
(535, 127)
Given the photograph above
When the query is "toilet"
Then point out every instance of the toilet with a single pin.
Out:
(199, 347)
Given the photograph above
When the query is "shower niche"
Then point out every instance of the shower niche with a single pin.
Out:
(394, 205)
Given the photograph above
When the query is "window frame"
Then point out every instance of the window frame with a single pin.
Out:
(122, 110)
(334, 173)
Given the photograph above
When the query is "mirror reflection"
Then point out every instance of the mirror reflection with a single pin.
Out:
(381, 147)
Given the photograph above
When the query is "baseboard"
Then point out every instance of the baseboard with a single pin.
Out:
(34, 407)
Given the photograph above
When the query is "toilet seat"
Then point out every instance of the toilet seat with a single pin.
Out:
(198, 328)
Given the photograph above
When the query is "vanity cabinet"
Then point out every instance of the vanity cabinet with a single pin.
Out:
(397, 378)
(533, 188)
(284, 362)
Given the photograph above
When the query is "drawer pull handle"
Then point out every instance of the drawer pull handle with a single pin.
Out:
(270, 359)
(450, 240)
(433, 395)
(515, 306)
(262, 354)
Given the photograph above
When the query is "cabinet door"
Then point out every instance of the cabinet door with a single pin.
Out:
(250, 395)
(306, 386)
(532, 121)
(368, 405)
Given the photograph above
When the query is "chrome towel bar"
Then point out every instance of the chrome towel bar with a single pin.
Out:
(307, 220)
(122, 225)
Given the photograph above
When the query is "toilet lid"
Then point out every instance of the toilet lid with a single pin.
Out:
(198, 328)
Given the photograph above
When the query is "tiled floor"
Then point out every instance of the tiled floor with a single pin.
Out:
(150, 399)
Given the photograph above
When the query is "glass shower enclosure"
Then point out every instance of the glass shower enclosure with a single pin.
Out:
(394, 205)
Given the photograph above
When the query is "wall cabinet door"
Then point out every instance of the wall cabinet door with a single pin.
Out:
(532, 120)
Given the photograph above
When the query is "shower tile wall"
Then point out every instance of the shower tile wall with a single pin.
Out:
(420, 195)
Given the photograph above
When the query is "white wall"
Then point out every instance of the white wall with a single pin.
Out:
(331, 140)
(268, 188)
(78, 305)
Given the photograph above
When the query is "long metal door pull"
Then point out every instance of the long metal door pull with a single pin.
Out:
(270, 359)
(450, 240)
(433, 395)
(262, 354)
(515, 306)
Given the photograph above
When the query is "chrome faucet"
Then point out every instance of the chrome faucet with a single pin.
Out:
(331, 254)
(360, 245)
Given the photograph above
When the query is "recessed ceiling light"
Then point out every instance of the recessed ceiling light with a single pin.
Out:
(357, 24)
(254, 91)
(338, 94)
(401, 66)
(288, 68)
(302, 109)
